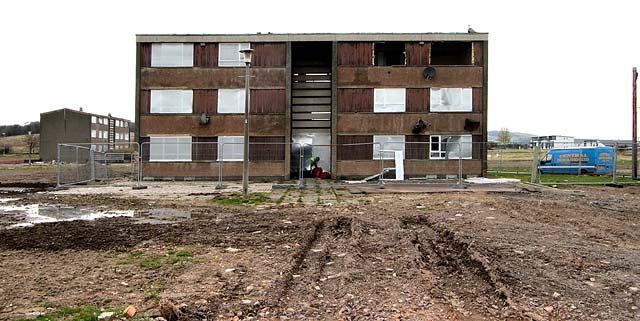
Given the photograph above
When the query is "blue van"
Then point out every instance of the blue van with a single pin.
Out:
(591, 160)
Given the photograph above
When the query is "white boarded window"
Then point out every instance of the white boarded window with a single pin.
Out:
(105, 134)
(94, 120)
(230, 148)
(170, 149)
(389, 144)
(93, 133)
(231, 101)
(389, 100)
(172, 55)
(126, 136)
(450, 147)
(229, 54)
(172, 101)
(450, 99)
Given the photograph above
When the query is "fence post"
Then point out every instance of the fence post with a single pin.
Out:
(220, 184)
(301, 166)
(380, 178)
(92, 162)
(614, 179)
(534, 165)
(459, 184)
(58, 168)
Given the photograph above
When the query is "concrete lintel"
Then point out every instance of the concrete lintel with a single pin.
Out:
(314, 37)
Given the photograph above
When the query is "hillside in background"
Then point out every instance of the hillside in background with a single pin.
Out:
(13, 130)
(516, 137)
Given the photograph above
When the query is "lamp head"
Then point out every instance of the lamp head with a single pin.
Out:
(247, 55)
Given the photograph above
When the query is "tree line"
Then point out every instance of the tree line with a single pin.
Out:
(14, 130)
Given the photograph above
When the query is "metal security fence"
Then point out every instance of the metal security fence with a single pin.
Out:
(81, 163)
(215, 160)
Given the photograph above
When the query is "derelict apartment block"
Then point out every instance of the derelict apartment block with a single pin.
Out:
(342, 94)
(68, 126)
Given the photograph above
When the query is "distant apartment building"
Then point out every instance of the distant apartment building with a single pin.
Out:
(99, 132)
(552, 141)
(345, 95)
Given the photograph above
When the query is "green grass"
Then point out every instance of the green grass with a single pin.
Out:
(563, 179)
(151, 263)
(283, 196)
(83, 313)
(152, 295)
(237, 200)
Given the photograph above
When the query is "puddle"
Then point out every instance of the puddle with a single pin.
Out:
(14, 190)
(16, 216)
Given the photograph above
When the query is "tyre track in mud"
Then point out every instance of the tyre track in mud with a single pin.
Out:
(439, 247)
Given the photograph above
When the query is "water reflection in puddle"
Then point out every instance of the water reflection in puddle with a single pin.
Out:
(15, 216)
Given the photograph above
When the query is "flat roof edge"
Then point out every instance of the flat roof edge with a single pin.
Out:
(145, 38)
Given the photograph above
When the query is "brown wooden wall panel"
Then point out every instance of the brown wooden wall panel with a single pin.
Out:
(416, 147)
(219, 125)
(272, 149)
(145, 101)
(476, 151)
(205, 55)
(417, 100)
(268, 101)
(205, 101)
(412, 167)
(417, 54)
(204, 148)
(213, 78)
(145, 55)
(209, 170)
(477, 98)
(355, 100)
(409, 77)
(478, 57)
(355, 53)
(269, 54)
(355, 152)
(401, 124)
(144, 148)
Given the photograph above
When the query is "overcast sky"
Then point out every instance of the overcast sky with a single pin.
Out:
(555, 67)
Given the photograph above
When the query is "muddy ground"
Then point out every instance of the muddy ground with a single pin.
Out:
(324, 253)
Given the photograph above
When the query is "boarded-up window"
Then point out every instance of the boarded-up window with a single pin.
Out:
(417, 100)
(355, 100)
(417, 54)
(206, 55)
(204, 149)
(145, 55)
(417, 146)
(266, 148)
(230, 55)
(450, 99)
(269, 55)
(265, 101)
(355, 53)
(231, 101)
(205, 101)
(145, 101)
(172, 55)
(355, 147)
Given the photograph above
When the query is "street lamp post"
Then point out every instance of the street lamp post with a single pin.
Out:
(245, 161)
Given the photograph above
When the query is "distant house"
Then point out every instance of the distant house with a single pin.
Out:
(73, 126)
(554, 141)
